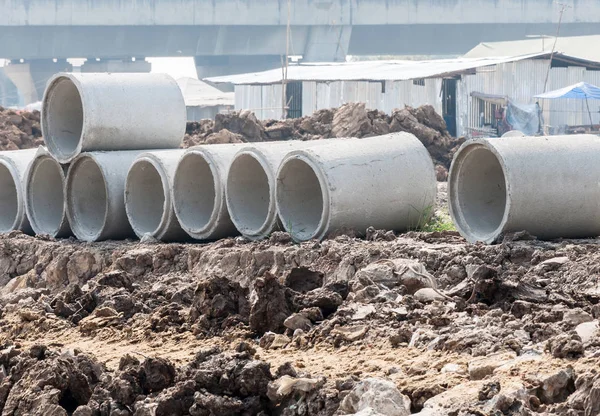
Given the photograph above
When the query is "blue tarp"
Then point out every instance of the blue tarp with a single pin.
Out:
(581, 90)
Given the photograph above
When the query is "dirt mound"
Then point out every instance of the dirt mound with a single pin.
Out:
(350, 120)
(19, 129)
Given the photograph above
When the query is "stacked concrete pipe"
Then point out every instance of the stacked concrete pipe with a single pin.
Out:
(148, 200)
(547, 186)
(45, 197)
(13, 168)
(95, 193)
(98, 112)
(199, 191)
(250, 186)
(387, 182)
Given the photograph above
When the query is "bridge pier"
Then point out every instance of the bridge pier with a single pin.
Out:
(9, 95)
(327, 43)
(30, 76)
(116, 65)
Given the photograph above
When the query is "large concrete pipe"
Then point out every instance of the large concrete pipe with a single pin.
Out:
(88, 112)
(13, 166)
(387, 182)
(199, 191)
(95, 193)
(547, 186)
(148, 200)
(44, 195)
(251, 186)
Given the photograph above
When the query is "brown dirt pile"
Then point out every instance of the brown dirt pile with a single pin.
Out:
(19, 129)
(423, 321)
(350, 120)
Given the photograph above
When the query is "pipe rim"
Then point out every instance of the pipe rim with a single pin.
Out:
(159, 168)
(456, 213)
(30, 207)
(49, 137)
(270, 222)
(204, 232)
(323, 225)
(72, 216)
(18, 193)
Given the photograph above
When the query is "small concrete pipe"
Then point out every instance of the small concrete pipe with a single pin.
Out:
(199, 191)
(148, 200)
(251, 186)
(44, 195)
(547, 186)
(13, 167)
(387, 182)
(95, 193)
(96, 112)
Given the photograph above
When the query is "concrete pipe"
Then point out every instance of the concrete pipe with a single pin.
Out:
(148, 201)
(90, 112)
(95, 193)
(199, 191)
(513, 133)
(44, 195)
(387, 182)
(547, 186)
(13, 167)
(251, 186)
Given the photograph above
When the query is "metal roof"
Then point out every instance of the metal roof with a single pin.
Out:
(582, 47)
(199, 94)
(370, 70)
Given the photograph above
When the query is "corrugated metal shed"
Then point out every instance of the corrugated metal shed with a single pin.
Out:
(197, 93)
(368, 70)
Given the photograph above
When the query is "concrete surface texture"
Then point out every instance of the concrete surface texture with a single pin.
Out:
(13, 166)
(44, 195)
(148, 200)
(251, 186)
(199, 191)
(95, 193)
(386, 182)
(89, 112)
(547, 186)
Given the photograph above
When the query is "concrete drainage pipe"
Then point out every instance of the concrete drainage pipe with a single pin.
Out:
(89, 112)
(199, 191)
(547, 186)
(13, 167)
(95, 193)
(251, 186)
(44, 196)
(148, 201)
(387, 182)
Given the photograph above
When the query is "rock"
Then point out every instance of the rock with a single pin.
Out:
(314, 314)
(566, 345)
(83, 411)
(588, 332)
(350, 334)
(224, 136)
(303, 279)
(551, 264)
(287, 385)
(454, 368)
(379, 395)
(520, 308)
(481, 367)
(556, 387)
(574, 317)
(428, 295)
(279, 341)
(362, 312)
(271, 305)
(157, 374)
(351, 120)
(393, 273)
(297, 321)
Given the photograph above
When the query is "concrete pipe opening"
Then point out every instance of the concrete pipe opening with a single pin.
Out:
(194, 193)
(478, 193)
(62, 118)
(300, 199)
(249, 195)
(9, 202)
(87, 202)
(45, 196)
(145, 199)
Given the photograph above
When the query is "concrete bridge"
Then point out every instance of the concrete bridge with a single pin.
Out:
(233, 36)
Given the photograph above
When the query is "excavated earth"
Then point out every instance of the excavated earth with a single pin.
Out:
(391, 324)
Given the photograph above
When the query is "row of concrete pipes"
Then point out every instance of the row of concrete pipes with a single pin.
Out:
(98, 181)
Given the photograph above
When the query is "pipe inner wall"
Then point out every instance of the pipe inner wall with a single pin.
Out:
(145, 199)
(9, 203)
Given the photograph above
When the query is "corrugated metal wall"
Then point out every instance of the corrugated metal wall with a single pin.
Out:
(520, 81)
(265, 101)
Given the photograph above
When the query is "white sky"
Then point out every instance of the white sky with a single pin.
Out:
(176, 67)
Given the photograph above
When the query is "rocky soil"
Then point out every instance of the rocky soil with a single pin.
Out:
(19, 129)
(418, 323)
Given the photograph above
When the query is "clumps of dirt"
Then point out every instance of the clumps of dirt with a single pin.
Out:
(350, 120)
(19, 129)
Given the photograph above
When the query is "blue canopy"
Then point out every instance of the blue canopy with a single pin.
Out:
(581, 90)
